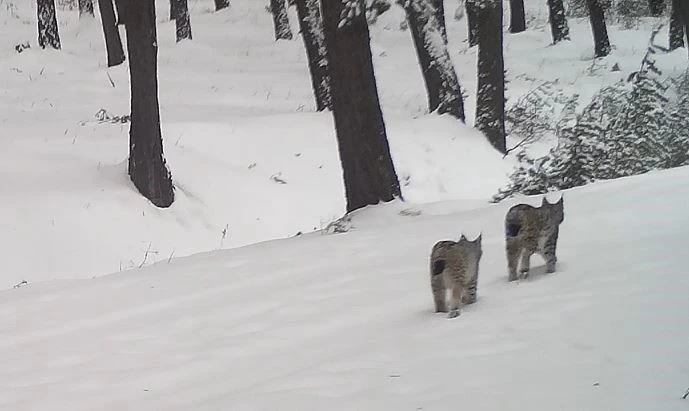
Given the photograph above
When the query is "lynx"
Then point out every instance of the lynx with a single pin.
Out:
(454, 271)
(530, 230)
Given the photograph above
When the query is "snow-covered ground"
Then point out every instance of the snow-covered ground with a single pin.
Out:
(345, 321)
(237, 118)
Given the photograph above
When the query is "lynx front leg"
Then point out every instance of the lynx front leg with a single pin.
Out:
(513, 248)
(549, 253)
(457, 295)
(525, 263)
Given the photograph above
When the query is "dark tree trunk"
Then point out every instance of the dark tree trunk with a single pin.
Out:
(600, 30)
(113, 43)
(221, 4)
(490, 92)
(280, 20)
(147, 167)
(439, 7)
(311, 27)
(683, 12)
(442, 85)
(182, 21)
(472, 22)
(558, 21)
(676, 27)
(86, 8)
(120, 7)
(656, 7)
(369, 173)
(173, 13)
(517, 16)
(48, 35)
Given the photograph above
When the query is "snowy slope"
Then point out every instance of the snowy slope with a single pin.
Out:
(345, 322)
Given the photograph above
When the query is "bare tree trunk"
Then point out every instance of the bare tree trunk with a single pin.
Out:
(113, 42)
(600, 30)
(173, 13)
(221, 4)
(442, 85)
(439, 7)
(311, 27)
(517, 16)
(558, 21)
(656, 7)
(48, 35)
(147, 168)
(490, 93)
(369, 173)
(683, 12)
(86, 8)
(676, 27)
(472, 22)
(182, 21)
(280, 20)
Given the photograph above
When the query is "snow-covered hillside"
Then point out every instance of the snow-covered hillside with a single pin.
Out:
(238, 121)
(345, 321)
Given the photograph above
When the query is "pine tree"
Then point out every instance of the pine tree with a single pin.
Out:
(442, 85)
(599, 28)
(281, 20)
(472, 21)
(147, 168)
(369, 173)
(86, 8)
(113, 42)
(517, 16)
(656, 7)
(678, 137)
(676, 27)
(182, 21)
(48, 35)
(311, 27)
(559, 28)
(490, 93)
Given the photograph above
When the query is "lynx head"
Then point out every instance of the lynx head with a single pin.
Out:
(556, 211)
(473, 247)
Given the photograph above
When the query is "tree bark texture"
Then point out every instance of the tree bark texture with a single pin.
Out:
(369, 173)
(517, 16)
(48, 35)
(656, 7)
(182, 20)
(490, 93)
(311, 27)
(221, 4)
(472, 22)
(676, 27)
(599, 28)
(683, 12)
(442, 86)
(147, 168)
(113, 42)
(86, 8)
(439, 7)
(280, 20)
(558, 21)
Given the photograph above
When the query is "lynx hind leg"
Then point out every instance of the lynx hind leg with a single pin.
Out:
(456, 297)
(513, 249)
(525, 263)
(470, 293)
(549, 255)
(438, 286)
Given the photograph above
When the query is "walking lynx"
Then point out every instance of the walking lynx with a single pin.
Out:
(530, 230)
(454, 271)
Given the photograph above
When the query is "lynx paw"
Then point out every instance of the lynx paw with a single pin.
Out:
(453, 314)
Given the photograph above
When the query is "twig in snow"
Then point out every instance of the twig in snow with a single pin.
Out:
(148, 251)
(686, 394)
(170, 257)
(24, 282)
(112, 83)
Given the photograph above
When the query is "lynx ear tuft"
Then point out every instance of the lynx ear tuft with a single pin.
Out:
(544, 201)
(462, 237)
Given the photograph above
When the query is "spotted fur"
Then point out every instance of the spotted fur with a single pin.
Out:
(454, 271)
(532, 230)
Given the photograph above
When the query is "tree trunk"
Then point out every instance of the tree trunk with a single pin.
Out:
(221, 4)
(442, 85)
(311, 27)
(472, 22)
(439, 7)
(147, 168)
(490, 92)
(48, 35)
(656, 7)
(676, 27)
(86, 8)
(683, 12)
(369, 173)
(182, 21)
(558, 21)
(113, 43)
(517, 17)
(173, 13)
(280, 20)
(600, 30)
